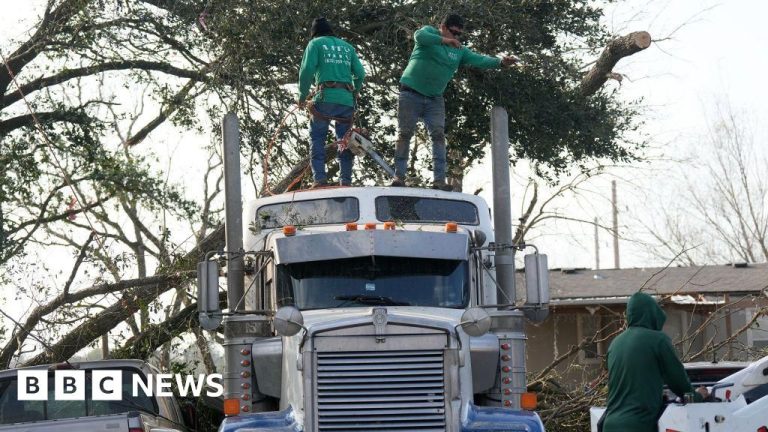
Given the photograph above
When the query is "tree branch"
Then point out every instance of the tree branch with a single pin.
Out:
(616, 49)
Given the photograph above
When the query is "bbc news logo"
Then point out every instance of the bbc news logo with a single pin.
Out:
(107, 385)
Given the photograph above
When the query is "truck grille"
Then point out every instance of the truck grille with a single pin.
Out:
(380, 391)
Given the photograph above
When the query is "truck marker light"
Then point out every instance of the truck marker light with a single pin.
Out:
(245, 363)
(675, 430)
(389, 225)
(762, 429)
(351, 226)
(231, 407)
(506, 380)
(245, 396)
(245, 351)
(528, 401)
(289, 230)
(507, 403)
(245, 386)
(451, 227)
(506, 369)
(506, 357)
(245, 374)
(507, 392)
(370, 225)
(505, 346)
(245, 408)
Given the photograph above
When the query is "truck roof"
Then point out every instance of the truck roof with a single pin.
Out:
(369, 204)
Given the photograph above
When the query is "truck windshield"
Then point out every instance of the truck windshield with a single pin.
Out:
(13, 410)
(419, 209)
(374, 280)
(310, 212)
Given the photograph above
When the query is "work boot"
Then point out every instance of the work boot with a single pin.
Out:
(397, 182)
(345, 183)
(319, 184)
(442, 185)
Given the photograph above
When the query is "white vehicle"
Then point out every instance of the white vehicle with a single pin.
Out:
(373, 308)
(742, 406)
(132, 413)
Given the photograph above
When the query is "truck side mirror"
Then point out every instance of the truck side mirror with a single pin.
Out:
(208, 295)
(536, 287)
(475, 322)
(288, 321)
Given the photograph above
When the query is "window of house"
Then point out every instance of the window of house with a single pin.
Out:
(588, 326)
(605, 325)
(757, 335)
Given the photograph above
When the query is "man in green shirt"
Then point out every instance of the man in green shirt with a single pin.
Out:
(332, 64)
(436, 57)
(640, 361)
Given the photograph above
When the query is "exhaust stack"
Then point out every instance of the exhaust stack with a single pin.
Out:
(502, 206)
(233, 212)
(241, 327)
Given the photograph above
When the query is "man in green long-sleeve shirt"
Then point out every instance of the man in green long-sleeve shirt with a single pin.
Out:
(640, 361)
(332, 64)
(436, 57)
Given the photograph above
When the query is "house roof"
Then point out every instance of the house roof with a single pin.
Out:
(582, 284)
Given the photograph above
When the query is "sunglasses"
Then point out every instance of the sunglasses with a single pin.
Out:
(455, 33)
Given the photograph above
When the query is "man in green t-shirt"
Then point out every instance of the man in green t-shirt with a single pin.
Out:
(332, 64)
(436, 57)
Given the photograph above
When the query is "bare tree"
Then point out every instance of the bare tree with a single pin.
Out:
(722, 212)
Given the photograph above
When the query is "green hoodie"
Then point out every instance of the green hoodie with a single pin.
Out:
(640, 361)
(328, 58)
(433, 64)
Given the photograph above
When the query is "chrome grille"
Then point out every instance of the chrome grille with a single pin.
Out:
(380, 391)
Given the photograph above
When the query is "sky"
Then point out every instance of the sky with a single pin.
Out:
(703, 53)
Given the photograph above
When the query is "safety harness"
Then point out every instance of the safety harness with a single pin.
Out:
(332, 84)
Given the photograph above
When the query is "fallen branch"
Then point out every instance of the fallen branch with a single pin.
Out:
(616, 50)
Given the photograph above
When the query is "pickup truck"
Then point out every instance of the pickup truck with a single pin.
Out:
(139, 413)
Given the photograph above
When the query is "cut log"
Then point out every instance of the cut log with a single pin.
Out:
(616, 50)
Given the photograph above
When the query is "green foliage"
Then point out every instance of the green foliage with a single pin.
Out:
(244, 56)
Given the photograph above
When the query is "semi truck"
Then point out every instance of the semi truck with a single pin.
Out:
(373, 308)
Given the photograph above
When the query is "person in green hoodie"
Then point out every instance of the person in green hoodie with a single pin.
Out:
(640, 361)
(436, 57)
(332, 64)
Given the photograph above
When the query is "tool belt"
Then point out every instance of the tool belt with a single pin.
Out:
(318, 114)
(337, 84)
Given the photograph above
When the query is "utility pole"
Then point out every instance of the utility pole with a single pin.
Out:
(614, 202)
(597, 247)
(105, 346)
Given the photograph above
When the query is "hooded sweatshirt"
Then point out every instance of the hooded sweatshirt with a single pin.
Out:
(640, 361)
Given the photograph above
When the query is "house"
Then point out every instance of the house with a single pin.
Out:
(705, 306)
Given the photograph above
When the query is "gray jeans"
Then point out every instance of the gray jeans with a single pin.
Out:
(410, 108)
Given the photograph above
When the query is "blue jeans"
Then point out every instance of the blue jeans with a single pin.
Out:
(318, 130)
(410, 108)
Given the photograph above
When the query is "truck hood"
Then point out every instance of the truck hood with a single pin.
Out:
(319, 319)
